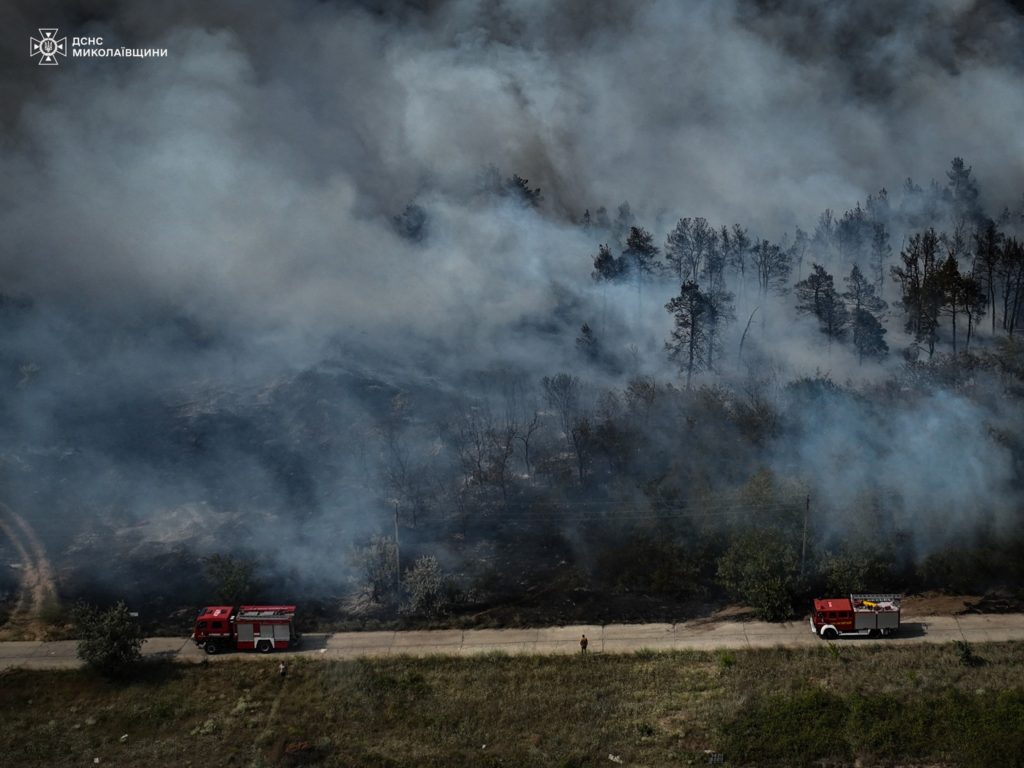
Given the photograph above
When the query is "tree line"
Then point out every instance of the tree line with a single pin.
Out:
(952, 278)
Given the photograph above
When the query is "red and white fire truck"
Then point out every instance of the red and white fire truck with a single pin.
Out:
(261, 628)
(871, 615)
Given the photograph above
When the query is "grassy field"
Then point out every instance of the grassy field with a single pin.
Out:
(834, 705)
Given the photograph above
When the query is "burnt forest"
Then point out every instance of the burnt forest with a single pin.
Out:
(498, 314)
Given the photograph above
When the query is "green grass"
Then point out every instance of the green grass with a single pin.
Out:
(880, 706)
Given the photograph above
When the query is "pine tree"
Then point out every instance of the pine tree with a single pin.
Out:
(988, 242)
(975, 303)
(880, 252)
(678, 246)
(518, 189)
(865, 306)
(950, 281)
(922, 294)
(962, 190)
(861, 293)
(720, 301)
(606, 266)
(816, 295)
(688, 344)
(588, 344)
(868, 336)
(640, 259)
(1011, 275)
(641, 254)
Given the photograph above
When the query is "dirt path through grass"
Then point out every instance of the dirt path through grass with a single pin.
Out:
(38, 585)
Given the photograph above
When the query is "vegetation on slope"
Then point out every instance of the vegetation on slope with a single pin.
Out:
(916, 705)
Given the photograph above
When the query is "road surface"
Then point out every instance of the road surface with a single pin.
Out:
(704, 635)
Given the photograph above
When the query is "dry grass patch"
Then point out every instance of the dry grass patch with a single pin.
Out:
(783, 707)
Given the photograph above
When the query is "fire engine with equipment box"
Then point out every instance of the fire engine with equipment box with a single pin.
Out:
(262, 628)
(862, 615)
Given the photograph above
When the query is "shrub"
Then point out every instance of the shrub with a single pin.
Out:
(425, 587)
(799, 728)
(965, 652)
(760, 568)
(110, 640)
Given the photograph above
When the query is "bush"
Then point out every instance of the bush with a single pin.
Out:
(858, 570)
(110, 641)
(801, 728)
(425, 587)
(966, 655)
(761, 569)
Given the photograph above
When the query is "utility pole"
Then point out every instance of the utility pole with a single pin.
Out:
(398, 558)
(803, 546)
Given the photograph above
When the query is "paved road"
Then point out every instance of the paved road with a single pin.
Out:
(611, 638)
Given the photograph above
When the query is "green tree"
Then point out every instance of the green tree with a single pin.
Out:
(232, 577)
(868, 333)
(860, 293)
(688, 344)
(853, 235)
(640, 259)
(860, 569)
(761, 569)
(110, 640)
(868, 336)
(816, 295)
(962, 190)
(606, 267)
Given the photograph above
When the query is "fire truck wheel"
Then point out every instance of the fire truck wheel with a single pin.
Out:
(874, 633)
(265, 646)
(830, 634)
(210, 647)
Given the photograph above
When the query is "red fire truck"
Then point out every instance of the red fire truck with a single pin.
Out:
(262, 628)
(871, 615)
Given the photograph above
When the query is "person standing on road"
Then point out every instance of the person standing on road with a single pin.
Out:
(583, 643)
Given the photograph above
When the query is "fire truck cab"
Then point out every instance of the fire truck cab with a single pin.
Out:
(261, 628)
(862, 615)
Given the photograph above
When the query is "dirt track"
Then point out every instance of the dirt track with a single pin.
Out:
(37, 583)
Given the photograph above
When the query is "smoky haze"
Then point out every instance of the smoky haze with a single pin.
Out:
(223, 309)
